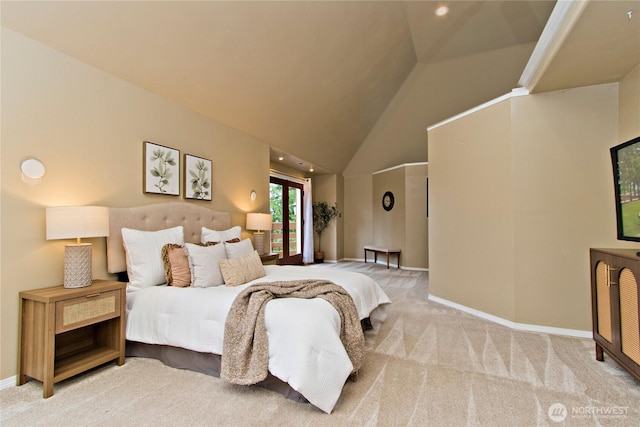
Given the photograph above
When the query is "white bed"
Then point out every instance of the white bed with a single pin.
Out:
(305, 350)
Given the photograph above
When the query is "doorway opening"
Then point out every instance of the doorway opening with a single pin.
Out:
(287, 237)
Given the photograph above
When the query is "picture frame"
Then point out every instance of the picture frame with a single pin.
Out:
(161, 169)
(197, 177)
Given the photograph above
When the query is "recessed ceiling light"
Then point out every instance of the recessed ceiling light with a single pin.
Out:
(311, 169)
(281, 158)
(442, 10)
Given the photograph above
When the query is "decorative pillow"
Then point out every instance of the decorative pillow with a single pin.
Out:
(204, 263)
(208, 235)
(238, 249)
(144, 254)
(176, 265)
(238, 271)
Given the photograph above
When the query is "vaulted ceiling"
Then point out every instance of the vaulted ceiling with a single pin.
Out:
(310, 78)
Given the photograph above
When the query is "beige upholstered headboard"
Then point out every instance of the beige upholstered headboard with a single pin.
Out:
(157, 217)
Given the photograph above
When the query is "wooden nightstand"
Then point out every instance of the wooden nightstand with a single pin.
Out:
(269, 259)
(66, 331)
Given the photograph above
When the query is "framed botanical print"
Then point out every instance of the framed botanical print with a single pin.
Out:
(161, 169)
(197, 178)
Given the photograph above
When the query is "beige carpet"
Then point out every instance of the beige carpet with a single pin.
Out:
(427, 364)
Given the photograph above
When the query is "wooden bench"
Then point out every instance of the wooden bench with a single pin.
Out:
(381, 250)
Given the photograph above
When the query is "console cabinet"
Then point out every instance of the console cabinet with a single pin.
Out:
(615, 274)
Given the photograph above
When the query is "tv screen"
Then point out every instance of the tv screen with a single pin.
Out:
(626, 175)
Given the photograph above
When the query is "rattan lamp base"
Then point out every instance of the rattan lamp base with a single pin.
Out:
(258, 242)
(77, 265)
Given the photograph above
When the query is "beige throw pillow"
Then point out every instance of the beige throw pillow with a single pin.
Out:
(238, 271)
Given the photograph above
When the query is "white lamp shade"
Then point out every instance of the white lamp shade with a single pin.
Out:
(258, 221)
(71, 222)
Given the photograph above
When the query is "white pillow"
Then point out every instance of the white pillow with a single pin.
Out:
(208, 235)
(239, 249)
(144, 254)
(204, 262)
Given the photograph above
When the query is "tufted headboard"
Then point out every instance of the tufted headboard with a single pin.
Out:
(157, 217)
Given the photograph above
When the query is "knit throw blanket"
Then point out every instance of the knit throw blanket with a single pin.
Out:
(245, 355)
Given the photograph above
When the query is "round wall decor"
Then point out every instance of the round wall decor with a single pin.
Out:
(388, 201)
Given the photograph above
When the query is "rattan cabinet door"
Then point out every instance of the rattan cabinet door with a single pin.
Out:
(629, 314)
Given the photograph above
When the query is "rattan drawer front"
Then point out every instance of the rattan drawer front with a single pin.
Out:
(78, 312)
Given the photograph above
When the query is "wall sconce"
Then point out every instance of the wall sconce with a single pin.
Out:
(253, 195)
(32, 170)
(75, 222)
(259, 221)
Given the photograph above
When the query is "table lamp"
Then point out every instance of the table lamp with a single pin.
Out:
(76, 222)
(258, 221)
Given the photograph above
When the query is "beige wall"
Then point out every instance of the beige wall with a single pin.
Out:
(406, 225)
(399, 136)
(534, 176)
(629, 102)
(329, 188)
(389, 226)
(358, 214)
(416, 253)
(470, 212)
(563, 200)
(88, 128)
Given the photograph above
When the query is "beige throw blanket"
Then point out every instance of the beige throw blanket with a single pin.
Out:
(245, 355)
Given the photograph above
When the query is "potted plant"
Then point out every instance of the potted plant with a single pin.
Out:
(323, 214)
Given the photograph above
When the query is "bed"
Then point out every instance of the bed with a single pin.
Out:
(185, 326)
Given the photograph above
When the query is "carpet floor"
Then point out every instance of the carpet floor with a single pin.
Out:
(426, 365)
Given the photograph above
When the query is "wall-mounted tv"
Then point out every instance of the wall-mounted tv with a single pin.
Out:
(626, 180)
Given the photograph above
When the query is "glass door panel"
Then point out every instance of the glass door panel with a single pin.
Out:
(286, 209)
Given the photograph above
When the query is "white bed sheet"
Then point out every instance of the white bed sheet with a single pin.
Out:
(304, 335)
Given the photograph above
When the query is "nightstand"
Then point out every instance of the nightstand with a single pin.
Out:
(269, 259)
(67, 331)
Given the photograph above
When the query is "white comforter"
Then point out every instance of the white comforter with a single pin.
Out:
(305, 349)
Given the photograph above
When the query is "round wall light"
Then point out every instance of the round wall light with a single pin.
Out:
(32, 170)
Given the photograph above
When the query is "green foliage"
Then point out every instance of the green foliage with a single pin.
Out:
(275, 203)
(162, 171)
(323, 214)
(631, 218)
(199, 182)
(629, 178)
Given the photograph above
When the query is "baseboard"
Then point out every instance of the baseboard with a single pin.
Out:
(513, 325)
(402, 267)
(8, 382)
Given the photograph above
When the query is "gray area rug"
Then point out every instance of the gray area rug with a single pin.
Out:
(426, 364)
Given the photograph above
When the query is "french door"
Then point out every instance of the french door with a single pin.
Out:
(286, 209)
